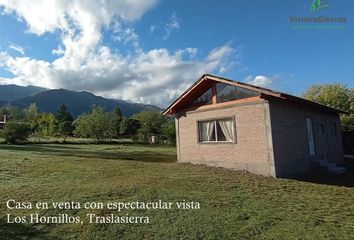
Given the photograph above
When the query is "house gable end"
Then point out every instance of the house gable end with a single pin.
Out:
(209, 91)
(247, 93)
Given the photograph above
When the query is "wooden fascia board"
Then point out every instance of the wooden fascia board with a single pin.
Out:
(169, 109)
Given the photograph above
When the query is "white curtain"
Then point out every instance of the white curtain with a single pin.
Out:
(206, 130)
(227, 128)
(210, 130)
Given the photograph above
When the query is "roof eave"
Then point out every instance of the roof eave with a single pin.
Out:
(168, 110)
(263, 91)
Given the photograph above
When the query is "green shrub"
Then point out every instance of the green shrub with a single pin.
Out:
(15, 132)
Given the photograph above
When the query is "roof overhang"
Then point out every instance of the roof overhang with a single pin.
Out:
(205, 81)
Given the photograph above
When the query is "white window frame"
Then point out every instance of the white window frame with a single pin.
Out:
(310, 136)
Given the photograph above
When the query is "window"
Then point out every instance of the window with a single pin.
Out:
(226, 92)
(204, 99)
(310, 136)
(220, 130)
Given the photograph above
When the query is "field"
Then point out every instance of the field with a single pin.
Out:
(233, 204)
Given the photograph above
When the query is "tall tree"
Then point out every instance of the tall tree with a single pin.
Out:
(32, 116)
(98, 124)
(333, 95)
(118, 117)
(151, 124)
(130, 128)
(337, 96)
(63, 122)
(46, 124)
(169, 131)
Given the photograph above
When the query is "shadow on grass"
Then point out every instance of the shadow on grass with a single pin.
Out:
(114, 153)
(20, 231)
(342, 180)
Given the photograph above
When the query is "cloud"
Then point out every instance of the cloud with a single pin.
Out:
(125, 35)
(17, 48)
(152, 28)
(261, 81)
(156, 76)
(83, 62)
(171, 26)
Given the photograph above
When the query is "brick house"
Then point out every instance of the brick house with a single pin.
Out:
(230, 124)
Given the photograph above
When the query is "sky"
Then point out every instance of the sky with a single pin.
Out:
(151, 51)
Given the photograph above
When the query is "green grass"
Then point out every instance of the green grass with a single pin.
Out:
(234, 205)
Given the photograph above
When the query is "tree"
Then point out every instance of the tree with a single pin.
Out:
(98, 124)
(333, 95)
(102, 124)
(46, 124)
(337, 96)
(82, 126)
(15, 113)
(32, 116)
(15, 132)
(151, 124)
(130, 127)
(118, 117)
(63, 122)
(169, 131)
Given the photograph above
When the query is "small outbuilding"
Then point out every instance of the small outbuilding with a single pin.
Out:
(3, 122)
(225, 123)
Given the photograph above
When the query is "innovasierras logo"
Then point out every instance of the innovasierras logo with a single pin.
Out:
(316, 5)
(316, 21)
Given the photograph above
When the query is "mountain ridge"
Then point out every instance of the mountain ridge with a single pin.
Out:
(12, 92)
(77, 102)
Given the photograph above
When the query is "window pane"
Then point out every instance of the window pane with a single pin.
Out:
(226, 92)
(310, 136)
(226, 131)
(220, 134)
(204, 99)
(206, 131)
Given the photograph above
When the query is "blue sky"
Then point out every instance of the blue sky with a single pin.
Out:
(150, 51)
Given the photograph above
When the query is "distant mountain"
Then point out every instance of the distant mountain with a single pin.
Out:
(78, 102)
(13, 92)
(2, 103)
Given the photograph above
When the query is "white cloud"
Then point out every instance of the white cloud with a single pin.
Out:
(17, 48)
(155, 77)
(152, 28)
(125, 35)
(171, 26)
(261, 81)
(84, 63)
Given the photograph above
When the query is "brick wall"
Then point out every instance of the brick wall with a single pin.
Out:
(250, 152)
(290, 139)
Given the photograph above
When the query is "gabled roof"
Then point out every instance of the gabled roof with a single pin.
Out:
(206, 80)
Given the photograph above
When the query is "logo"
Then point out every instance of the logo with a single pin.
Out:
(316, 5)
(313, 21)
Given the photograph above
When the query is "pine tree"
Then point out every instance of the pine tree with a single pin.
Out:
(118, 117)
(63, 122)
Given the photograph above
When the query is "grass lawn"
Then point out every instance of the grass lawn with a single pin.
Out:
(234, 205)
